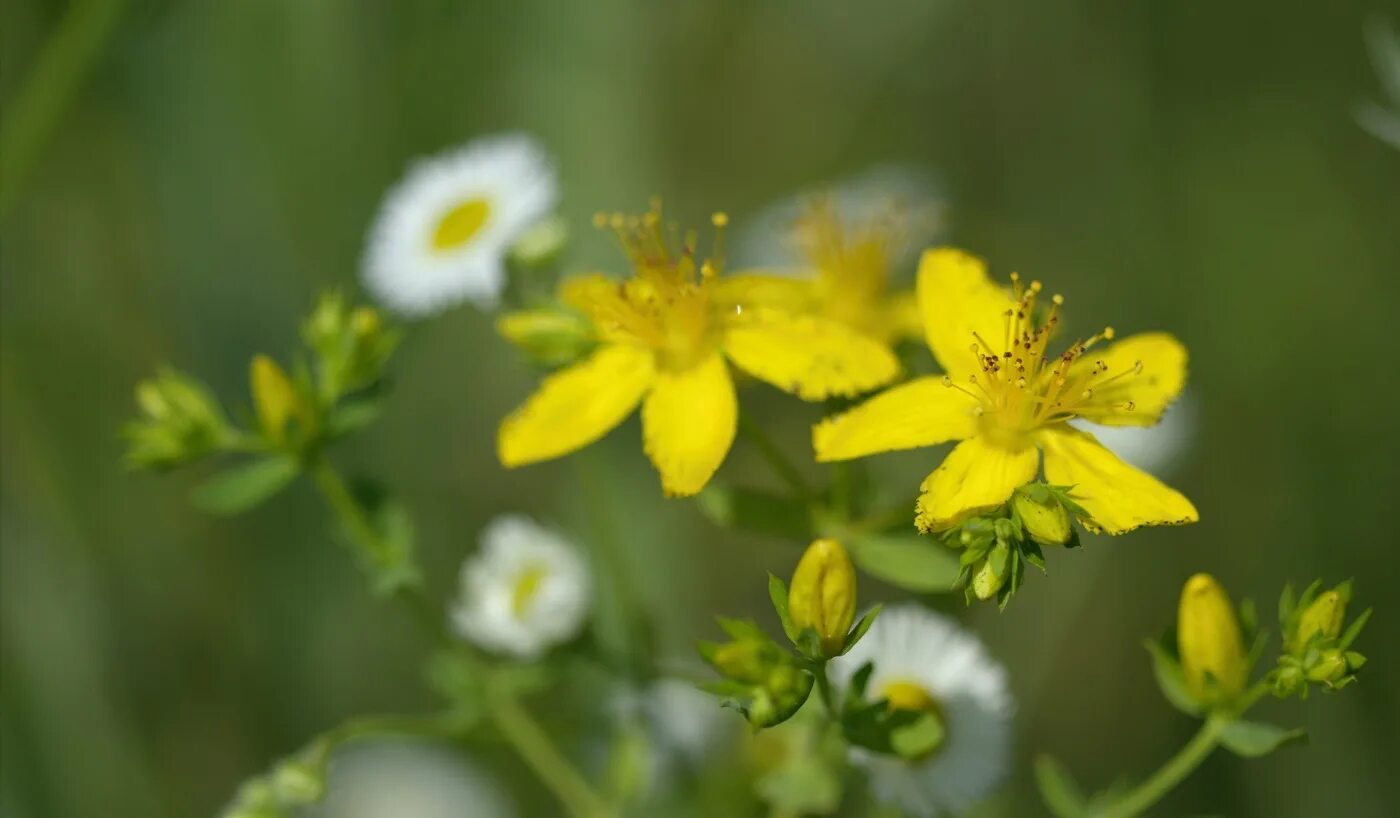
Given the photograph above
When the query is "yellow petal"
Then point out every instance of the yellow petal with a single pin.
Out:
(814, 358)
(688, 423)
(576, 406)
(902, 316)
(1148, 391)
(585, 292)
(922, 412)
(973, 478)
(756, 289)
(1118, 497)
(959, 303)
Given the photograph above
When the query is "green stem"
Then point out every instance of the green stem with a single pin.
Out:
(1172, 773)
(825, 690)
(775, 457)
(38, 108)
(534, 746)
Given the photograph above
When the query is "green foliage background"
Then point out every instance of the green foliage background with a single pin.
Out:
(1182, 166)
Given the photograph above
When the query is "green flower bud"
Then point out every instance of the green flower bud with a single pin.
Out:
(1330, 667)
(540, 244)
(551, 336)
(275, 399)
(1047, 522)
(1209, 642)
(298, 783)
(1324, 616)
(993, 573)
(746, 660)
(180, 421)
(822, 594)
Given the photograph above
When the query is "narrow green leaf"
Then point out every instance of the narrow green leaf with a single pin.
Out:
(1354, 629)
(1252, 739)
(910, 562)
(1058, 789)
(243, 487)
(861, 627)
(778, 593)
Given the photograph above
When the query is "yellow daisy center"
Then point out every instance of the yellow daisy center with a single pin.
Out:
(903, 694)
(1019, 385)
(527, 587)
(458, 225)
(666, 305)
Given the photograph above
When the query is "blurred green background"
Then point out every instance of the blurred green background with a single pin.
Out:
(1189, 167)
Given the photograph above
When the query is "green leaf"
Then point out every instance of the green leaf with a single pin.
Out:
(1058, 789)
(909, 562)
(243, 487)
(1354, 629)
(859, 630)
(1252, 739)
(755, 511)
(919, 738)
(353, 415)
(1170, 679)
(778, 593)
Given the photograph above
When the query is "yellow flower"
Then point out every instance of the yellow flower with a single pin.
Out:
(849, 273)
(666, 337)
(1008, 399)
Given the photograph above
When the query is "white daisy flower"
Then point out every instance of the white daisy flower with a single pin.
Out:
(408, 780)
(923, 660)
(524, 592)
(1154, 449)
(443, 232)
(1383, 119)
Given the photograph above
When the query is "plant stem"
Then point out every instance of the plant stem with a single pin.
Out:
(518, 727)
(1172, 773)
(533, 745)
(775, 457)
(824, 688)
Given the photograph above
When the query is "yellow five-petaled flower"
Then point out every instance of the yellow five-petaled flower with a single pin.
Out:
(666, 338)
(1008, 399)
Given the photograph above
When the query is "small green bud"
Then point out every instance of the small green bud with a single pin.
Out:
(179, 421)
(822, 594)
(1047, 522)
(366, 324)
(992, 574)
(746, 660)
(298, 783)
(541, 243)
(551, 336)
(1209, 642)
(1331, 666)
(1324, 616)
(275, 399)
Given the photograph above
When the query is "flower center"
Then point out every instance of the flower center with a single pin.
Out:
(666, 305)
(460, 224)
(1019, 385)
(903, 694)
(527, 587)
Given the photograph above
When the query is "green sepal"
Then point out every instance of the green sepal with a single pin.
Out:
(245, 486)
(1354, 629)
(1058, 789)
(862, 625)
(1252, 739)
(1170, 678)
(920, 737)
(778, 593)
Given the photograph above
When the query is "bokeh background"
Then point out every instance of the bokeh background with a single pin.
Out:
(1189, 167)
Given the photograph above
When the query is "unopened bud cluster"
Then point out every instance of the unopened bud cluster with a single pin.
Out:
(997, 545)
(1317, 641)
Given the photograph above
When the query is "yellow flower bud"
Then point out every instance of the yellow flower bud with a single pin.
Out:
(1047, 523)
(1209, 641)
(1330, 667)
(823, 594)
(742, 660)
(365, 322)
(1324, 616)
(274, 398)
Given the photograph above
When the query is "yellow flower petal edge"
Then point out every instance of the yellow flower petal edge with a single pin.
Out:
(973, 478)
(922, 412)
(1118, 497)
(576, 406)
(751, 289)
(1138, 378)
(688, 424)
(960, 304)
(811, 357)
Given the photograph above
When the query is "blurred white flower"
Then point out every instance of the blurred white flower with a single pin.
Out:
(1383, 119)
(442, 233)
(1154, 449)
(408, 780)
(771, 240)
(686, 722)
(922, 656)
(524, 592)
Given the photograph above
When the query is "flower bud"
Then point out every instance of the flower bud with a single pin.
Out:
(1047, 522)
(366, 323)
(551, 336)
(1324, 616)
(541, 243)
(1330, 667)
(180, 422)
(1209, 642)
(822, 594)
(274, 398)
(744, 660)
(991, 576)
